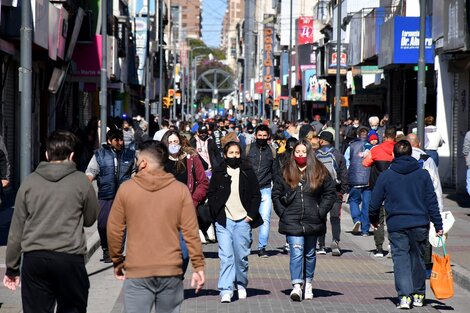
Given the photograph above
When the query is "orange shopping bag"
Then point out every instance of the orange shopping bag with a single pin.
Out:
(442, 280)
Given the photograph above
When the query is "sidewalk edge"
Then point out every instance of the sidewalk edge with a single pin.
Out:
(461, 276)
(92, 244)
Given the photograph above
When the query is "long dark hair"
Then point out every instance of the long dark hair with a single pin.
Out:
(313, 175)
(181, 163)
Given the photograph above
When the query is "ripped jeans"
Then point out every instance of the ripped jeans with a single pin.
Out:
(302, 248)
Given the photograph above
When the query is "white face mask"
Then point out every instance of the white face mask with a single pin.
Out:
(174, 149)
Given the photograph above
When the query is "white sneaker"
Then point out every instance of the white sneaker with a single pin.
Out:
(202, 237)
(296, 293)
(241, 292)
(308, 295)
(226, 298)
(356, 228)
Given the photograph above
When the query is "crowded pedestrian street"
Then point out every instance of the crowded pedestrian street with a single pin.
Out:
(354, 282)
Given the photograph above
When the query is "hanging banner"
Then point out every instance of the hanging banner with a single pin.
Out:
(304, 30)
(141, 46)
(268, 61)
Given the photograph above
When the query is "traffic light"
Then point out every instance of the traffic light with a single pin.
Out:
(166, 102)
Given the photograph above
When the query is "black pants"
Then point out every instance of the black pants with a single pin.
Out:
(105, 209)
(379, 233)
(49, 278)
(335, 220)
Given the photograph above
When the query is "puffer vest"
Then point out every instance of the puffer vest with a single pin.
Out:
(358, 174)
(110, 178)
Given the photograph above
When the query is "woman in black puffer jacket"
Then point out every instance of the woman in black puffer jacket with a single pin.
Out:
(302, 198)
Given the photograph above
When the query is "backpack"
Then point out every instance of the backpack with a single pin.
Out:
(329, 161)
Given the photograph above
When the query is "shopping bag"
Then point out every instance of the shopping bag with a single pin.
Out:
(447, 223)
(442, 280)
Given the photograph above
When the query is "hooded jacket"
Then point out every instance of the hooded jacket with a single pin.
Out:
(379, 159)
(52, 206)
(153, 207)
(410, 200)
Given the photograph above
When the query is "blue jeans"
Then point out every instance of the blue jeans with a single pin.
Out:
(165, 293)
(265, 212)
(468, 181)
(408, 247)
(234, 248)
(184, 252)
(358, 195)
(302, 252)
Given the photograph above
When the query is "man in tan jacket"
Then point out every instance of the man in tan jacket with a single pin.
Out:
(152, 208)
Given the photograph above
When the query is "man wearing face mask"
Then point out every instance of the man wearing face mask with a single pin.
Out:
(206, 148)
(111, 165)
(249, 134)
(218, 133)
(374, 122)
(263, 159)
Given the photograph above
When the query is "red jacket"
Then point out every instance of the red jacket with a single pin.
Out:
(197, 179)
(379, 159)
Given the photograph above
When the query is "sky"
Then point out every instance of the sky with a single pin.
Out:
(212, 16)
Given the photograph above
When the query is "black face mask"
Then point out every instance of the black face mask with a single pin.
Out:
(262, 142)
(203, 137)
(233, 162)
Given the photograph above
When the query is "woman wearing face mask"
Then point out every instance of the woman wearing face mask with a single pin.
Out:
(234, 199)
(302, 197)
(184, 163)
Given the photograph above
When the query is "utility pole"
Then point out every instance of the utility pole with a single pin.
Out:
(249, 47)
(161, 58)
(104, 71)
(421, 72)
(148, 72)
(338, 74)
(174, 80)
(289, 78)
(26, 86)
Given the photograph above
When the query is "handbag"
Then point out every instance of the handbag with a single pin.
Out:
(204, 216)
(442, 280)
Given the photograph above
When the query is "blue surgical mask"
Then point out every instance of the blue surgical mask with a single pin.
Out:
(174, 149)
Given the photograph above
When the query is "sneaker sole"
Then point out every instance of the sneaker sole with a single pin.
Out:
(356, 227)
(295, 297)
(335, 249)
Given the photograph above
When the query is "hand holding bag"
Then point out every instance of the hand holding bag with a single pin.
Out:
(442, 280)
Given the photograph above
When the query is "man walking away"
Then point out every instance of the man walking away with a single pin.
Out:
(263, 159)
(154, 207)
(379, 159)
(335, 163)
(52, 206)
(111, 165)
(410, 204)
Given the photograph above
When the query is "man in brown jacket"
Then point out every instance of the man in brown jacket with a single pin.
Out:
(153, 207)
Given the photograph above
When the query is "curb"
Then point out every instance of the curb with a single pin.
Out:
(461, 276)
(92, 244)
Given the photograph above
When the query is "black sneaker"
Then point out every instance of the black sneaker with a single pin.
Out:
(379, 253)
(262, 253)
(106, 258)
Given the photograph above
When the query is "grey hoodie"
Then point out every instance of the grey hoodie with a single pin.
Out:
(52, 206)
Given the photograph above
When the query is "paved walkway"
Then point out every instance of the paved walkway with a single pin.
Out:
(354, 282)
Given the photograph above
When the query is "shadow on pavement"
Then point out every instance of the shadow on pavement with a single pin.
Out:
(462, 199)
(318, 293)
(251, 292)
(438, 305)
(391, 299)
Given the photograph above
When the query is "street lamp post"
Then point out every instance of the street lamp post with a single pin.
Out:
(338, 76)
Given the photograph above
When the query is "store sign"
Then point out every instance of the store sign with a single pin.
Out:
(314, 89)
(333, 57)
(304, 30)
(268, 72)
(400, 41)
(141, 46)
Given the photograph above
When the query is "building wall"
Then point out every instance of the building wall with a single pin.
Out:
(190, 17)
